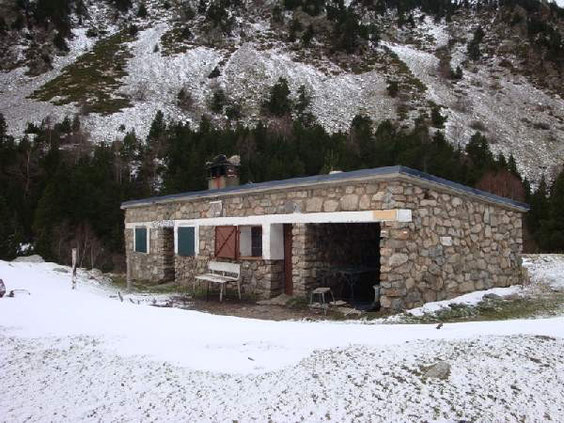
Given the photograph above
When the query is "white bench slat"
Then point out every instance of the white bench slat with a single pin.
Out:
(217, 274)
(212, 277)
(222, 266)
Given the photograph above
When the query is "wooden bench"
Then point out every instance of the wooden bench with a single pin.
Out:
(222, 273)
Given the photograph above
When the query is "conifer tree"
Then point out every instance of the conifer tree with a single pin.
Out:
(293, 29)
(142, 11)
(218, 100)
(3, 128)
(9, 236)
(512, 165)
(307, 36)
(474, 51)
(279, 103)
(554, 226)
(158, 126)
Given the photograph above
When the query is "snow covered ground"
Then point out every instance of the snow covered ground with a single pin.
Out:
(84, 356)
(547, 269)
(470, 299)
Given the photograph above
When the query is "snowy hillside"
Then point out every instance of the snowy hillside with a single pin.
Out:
(131, 75)
(84, 355)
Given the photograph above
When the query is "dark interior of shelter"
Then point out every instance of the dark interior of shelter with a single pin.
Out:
(348, 255)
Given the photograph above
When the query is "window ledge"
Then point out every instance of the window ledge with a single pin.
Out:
(250, 258)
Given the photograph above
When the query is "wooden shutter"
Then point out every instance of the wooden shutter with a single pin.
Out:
(141, 240)
(186, 241)
(226, 242)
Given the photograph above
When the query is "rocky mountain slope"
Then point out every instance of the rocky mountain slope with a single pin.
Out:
(497, 67)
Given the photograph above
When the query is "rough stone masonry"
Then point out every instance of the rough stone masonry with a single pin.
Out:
(458, 239)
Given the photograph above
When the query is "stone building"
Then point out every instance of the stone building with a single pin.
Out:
(417, 237)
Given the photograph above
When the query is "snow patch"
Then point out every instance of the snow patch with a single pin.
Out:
(470, 299)
(546, 268)
(199, 340)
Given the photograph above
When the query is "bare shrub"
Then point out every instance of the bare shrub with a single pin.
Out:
(184, 99)
(541, 125)
(139, 93)
(457, 132)
(444, 70)
(462, 104)
(478, 126)
(503, 183)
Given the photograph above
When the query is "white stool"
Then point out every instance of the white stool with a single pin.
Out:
(320, 293)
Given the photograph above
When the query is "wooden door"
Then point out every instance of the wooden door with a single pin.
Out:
(288, 284)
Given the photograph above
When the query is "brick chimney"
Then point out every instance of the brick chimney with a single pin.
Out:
(223, 172)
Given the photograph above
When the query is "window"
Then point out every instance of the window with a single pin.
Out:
(250, 241)
(186, 241)
(141, 240)
(256, 241)
(226, 242)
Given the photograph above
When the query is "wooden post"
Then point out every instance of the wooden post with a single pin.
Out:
(74, 256)
(128, 273)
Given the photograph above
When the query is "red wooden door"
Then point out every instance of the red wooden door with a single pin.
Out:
(288, 283)
(226, 242)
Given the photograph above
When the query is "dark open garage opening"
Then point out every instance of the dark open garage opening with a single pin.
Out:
(348, 259)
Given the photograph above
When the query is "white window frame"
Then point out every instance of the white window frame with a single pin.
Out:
(246, 240)
(196, 237)
(148, 238)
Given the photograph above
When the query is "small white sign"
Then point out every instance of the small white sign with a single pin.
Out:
(216, 208)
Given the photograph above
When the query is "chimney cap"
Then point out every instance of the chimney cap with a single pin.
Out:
(222, 160)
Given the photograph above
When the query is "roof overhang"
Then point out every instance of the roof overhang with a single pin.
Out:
(399, 173)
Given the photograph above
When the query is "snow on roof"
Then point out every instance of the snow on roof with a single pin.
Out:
(388, 171)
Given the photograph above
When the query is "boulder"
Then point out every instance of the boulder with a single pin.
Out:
(96, 273)
(439, 370)
(2, 288)
(35, 258)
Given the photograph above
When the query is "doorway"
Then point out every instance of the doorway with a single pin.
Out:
(348, 260)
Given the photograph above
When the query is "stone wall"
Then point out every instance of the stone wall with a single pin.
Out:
(156, 266)
(260, 278)
(343, 197)
(451, 247)
(455, 243)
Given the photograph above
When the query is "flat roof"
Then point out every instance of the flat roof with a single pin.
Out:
(307, 181)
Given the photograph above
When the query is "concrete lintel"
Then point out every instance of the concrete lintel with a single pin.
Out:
(392, 215)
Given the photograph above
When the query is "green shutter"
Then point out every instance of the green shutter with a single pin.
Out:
(186, 241)
(141, 240)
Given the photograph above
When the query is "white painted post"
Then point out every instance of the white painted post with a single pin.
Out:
(74, 257)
